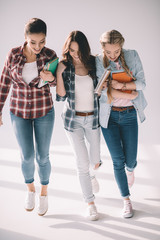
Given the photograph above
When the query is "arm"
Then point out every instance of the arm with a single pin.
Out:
(99, 67)
(118, 94)
(48, 76)
(139, 73)
(137, 69)
(1, 122)
(5, 84)
(60, 89)
(99, 72)
(123, 86)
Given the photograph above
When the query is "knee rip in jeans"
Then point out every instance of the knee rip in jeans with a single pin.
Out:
(97, 165)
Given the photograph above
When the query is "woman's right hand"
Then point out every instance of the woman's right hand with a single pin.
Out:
(1, 123)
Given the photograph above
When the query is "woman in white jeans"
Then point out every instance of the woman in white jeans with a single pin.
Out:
(76, 80)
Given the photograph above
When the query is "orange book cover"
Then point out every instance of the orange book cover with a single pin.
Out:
(122, 77)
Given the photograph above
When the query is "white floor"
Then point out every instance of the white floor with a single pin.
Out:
(64, 219)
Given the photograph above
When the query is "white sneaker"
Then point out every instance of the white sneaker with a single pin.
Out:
(92, 213)
(30, 201)
(95, 184)
(42, 205)
(127, 211)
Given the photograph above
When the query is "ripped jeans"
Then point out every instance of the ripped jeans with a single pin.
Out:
(86, 145)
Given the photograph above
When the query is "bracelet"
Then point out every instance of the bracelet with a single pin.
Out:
(124, 86)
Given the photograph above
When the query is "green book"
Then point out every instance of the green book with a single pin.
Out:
(50, 66)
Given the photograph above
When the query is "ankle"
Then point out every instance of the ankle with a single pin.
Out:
(126, 199)
(31, 187)
(91, 203)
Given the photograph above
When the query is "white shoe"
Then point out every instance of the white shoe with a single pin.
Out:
(127, 211)
(30, 201)
(92, 213)
(95, 184)
(42, 205)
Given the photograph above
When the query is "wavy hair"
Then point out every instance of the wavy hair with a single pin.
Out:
(84, 51)
(114, 37)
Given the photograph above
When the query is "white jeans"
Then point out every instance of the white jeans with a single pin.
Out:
(86, 145)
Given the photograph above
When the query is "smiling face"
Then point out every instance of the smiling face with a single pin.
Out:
(35, 42)
(112, 51)
(74, 51)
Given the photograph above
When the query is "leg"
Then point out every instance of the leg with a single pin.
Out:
(129, 133)
(43, 128)
(77, 140)
(93, 140)
(112, 137)
(93, 144)
(23, 129)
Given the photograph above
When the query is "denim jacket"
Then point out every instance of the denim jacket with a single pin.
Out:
(134, 63)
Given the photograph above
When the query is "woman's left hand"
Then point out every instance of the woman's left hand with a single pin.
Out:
(116, 84)
(47, 76)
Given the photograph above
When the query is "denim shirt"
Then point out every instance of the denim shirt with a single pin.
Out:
(68, 114)
(134, 63)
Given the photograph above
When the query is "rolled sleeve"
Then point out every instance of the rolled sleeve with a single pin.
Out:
(60, 98)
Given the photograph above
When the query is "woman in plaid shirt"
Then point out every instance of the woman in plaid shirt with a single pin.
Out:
(76, 80)
(31, 107)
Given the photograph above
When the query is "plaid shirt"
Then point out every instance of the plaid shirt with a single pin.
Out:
(69, 108)
(27, 100)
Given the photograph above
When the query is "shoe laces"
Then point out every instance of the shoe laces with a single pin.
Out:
(127, 206)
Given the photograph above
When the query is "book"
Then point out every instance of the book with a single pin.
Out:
(50, 66)
(121, 76)
(103, 78)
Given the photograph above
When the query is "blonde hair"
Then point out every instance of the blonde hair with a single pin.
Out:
(114, 37)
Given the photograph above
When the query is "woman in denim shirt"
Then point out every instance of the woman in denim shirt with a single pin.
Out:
(118, 110)
(76, 80)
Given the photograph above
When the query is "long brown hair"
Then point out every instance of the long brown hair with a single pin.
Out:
(114, 37)
(84, 51)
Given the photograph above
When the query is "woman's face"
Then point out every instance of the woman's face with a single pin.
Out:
(74, 51)
(36, 42)
(112, 51)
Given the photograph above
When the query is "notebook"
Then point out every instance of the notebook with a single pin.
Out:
(121, 76)
(50, 66)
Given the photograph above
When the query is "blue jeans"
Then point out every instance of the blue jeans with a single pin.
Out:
(121, 137)
(40, 129)
(86, 145)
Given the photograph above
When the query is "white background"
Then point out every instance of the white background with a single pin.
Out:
(139, 22)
